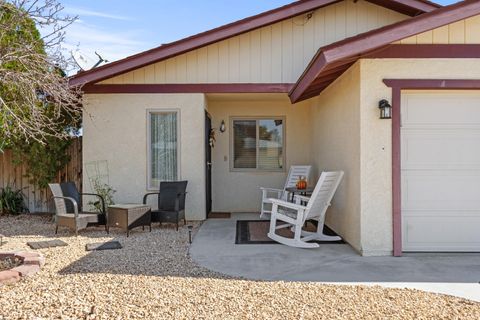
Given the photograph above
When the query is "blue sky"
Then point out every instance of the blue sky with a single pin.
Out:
(118, 28)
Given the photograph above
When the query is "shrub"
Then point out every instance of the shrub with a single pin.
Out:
(105, 191)
(12, 201)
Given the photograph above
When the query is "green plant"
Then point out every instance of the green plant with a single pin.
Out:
(104, 190)
(43, 161)
(12, 201)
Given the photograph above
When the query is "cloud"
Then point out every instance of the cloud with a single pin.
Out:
(111, 45)
(91, 13)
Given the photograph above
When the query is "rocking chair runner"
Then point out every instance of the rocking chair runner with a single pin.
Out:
(295, 214)
(293, 175)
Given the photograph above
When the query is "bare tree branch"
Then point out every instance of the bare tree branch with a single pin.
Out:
(34, 93)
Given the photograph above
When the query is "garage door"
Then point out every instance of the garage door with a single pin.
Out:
(440, 132)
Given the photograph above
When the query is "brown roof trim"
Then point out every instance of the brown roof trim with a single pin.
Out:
(427, 84)
(347, 51)
(409, 7)
(432, 51)
(189, 88)
(233, 29)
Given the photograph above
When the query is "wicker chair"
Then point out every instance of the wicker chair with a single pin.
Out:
(171, 202)
(73, 220)
(69, 189)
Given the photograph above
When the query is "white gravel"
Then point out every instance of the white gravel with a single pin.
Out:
(152, 277)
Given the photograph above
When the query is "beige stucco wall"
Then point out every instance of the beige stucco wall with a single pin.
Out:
(115, 129)
(336, 146)
(239, 191)
(376, 151)
(277, 53)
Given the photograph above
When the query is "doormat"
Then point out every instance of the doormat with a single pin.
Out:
(219, 215)
(255, 232)
(47, 244)
(111, 245)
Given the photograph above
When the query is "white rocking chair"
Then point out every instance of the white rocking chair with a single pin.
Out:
(295, 214)
(293, 175)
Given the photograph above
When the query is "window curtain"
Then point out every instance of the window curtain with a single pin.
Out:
(163, 147)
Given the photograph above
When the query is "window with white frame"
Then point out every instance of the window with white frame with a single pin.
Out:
(163, 144)
(257, 144)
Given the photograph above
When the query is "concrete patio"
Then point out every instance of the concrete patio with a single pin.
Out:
(214, 248)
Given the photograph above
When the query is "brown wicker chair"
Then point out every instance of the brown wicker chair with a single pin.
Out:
(69, 189)
(171, 202)
(74, 221)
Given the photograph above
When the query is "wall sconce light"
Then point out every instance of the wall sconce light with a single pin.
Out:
(222, 126)
(385, 109)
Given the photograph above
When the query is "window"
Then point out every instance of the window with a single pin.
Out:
(162, 147)
(257, 144)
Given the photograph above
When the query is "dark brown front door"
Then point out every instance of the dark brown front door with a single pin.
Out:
(208, 163)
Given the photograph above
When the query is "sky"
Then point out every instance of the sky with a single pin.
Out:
(119, 28)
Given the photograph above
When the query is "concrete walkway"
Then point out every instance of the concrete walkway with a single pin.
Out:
(214, 248)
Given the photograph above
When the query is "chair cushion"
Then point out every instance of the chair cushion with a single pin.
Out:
(86, 216)
(69, 189)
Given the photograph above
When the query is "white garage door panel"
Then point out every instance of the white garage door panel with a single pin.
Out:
(458, 233)
(440, 149)
(444, 109)
(440, 190)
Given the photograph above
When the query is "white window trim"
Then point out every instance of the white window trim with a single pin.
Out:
(150, 111)
(284, 145)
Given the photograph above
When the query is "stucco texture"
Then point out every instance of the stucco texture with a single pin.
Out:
(240, 191)
(115, 129)
(376, 145)
(336, 146)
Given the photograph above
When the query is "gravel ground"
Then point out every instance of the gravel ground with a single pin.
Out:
(152, 277)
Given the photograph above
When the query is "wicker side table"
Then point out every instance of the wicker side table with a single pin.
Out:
(129, 216)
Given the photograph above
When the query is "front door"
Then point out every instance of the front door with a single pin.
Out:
(208, 163)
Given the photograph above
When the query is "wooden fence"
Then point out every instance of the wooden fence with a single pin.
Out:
(38, 200)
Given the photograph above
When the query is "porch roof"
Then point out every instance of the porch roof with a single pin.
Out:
(333, 60)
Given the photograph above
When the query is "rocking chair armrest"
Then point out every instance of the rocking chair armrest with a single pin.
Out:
(286, 204)
(98, 196)
(75, 205)
(299, 198)
(266, 191)
(146, 196)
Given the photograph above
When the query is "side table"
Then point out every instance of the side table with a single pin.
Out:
(303, 192)
(129, 216)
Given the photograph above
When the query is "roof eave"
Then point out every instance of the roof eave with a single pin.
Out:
(230, 30)
(375, 39)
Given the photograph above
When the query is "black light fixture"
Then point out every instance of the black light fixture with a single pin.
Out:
(385, 109)
(222, 126)
(190, 229)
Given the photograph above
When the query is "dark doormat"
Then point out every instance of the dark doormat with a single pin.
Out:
(255, 232)
(47, 244)
(111, 245)
(219, 215)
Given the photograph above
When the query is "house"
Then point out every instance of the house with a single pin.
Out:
(301, 84)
